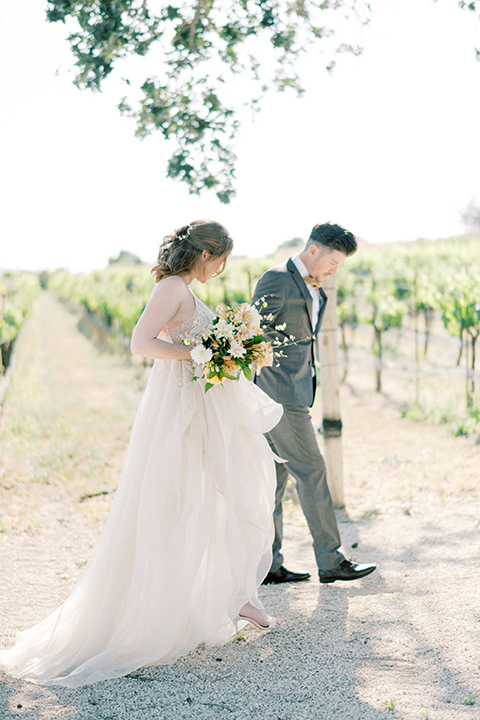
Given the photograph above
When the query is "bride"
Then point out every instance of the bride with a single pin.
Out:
(188, 538)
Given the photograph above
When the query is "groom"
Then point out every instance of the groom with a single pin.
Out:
(295, 306)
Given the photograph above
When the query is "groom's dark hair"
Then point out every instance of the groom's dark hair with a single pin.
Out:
(333, 237)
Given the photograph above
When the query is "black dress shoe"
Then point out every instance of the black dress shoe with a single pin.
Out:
(345, 571)
(282, 575)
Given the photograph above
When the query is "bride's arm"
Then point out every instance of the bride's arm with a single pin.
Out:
(167, 301)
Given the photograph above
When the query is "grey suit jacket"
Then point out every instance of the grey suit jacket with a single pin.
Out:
(289, 301)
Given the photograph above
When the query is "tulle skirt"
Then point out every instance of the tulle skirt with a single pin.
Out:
(186, 544)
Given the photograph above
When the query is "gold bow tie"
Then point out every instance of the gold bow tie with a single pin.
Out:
(312, 282)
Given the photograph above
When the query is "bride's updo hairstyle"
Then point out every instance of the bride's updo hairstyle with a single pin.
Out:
(180, 252)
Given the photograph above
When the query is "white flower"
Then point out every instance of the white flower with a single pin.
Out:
(236, 349)
(254, 316)
(224, 329)
(281, 327)
(201, 355)
(243, 333)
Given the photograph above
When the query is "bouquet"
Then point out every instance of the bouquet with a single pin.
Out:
(235, 344)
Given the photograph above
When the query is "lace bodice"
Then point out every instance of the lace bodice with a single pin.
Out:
(194, 327)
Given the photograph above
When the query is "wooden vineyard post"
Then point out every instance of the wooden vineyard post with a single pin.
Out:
(330, 386)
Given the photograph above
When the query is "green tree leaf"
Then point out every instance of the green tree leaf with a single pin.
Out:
(198, 52)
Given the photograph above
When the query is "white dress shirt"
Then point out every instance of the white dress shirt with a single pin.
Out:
(313, 291)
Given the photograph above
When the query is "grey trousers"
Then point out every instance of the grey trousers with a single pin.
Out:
(294, 440)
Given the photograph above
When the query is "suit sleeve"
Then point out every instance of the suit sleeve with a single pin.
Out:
(270, 289)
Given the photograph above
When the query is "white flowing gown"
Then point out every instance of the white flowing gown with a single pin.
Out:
(188, 538)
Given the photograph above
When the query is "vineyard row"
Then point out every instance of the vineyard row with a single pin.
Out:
(383, 288)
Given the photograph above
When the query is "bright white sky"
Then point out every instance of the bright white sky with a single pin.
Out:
(387, 146)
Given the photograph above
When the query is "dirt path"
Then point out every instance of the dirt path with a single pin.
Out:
(402, 643)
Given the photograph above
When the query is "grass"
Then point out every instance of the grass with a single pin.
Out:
(373, 512)
(461, 423)
(441, 392)
(390, 705)
(65, 422)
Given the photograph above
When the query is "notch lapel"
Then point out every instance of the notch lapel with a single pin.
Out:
(300, 282)
(323, 304)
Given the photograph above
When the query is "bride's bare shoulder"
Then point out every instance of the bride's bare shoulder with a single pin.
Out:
(172, 284)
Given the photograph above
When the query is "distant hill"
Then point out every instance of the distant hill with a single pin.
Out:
(125, 258)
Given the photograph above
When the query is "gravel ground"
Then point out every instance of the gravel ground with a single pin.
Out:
(404, 642)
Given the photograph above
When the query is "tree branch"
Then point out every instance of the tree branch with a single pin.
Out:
(201, 7)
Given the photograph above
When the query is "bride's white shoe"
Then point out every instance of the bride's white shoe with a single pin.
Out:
(271, 625)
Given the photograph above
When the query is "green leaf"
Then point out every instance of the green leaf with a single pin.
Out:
(197, 51)
(247, 372)
(256, 340)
